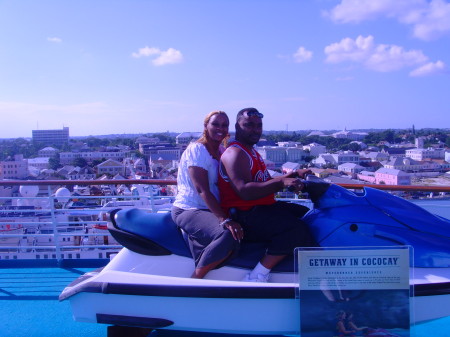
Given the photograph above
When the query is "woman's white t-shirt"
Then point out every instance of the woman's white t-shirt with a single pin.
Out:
(197, 155)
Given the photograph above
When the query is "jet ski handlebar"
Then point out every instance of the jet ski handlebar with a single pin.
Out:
(314, 186)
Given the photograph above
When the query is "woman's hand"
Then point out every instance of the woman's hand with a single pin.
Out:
(235, 229)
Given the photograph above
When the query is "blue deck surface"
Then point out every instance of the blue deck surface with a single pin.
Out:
(29, 307)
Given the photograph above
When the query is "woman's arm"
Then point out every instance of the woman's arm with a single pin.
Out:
(341, 328)
(199, 178)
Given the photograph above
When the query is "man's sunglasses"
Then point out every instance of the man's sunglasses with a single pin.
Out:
(254, 113)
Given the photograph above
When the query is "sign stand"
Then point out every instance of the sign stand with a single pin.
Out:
(354, 291)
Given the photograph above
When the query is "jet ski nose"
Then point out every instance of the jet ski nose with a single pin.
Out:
(315, 187)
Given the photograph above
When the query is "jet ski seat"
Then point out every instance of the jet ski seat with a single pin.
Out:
(157, 234)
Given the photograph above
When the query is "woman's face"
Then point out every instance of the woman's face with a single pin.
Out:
(217, 127)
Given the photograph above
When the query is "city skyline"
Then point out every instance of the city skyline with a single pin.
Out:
(135, 67)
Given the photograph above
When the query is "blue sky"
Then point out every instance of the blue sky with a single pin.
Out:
(136, 66)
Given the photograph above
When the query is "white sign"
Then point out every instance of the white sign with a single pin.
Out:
(354, 291)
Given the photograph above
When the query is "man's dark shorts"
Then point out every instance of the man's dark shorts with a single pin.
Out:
(279, 225)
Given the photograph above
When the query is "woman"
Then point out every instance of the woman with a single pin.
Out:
(351, 325)
(213, 237)
(340, 325)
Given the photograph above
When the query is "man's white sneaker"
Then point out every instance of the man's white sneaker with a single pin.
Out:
(259, 278)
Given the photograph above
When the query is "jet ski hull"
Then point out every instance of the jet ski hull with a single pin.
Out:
(148, 283)
(148, 293)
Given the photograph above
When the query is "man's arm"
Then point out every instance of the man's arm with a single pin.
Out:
(237, 167)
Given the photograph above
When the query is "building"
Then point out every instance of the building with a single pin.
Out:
(419, 142)
(319, 172)
(185, 138)
(68, 157)
(392, 177)
(395, 151)
(81, 173)
(424, 154)
(317, 133)
(14, 169)
(367, 176)
(51, 137)
(110, 167)
(336, 159)
(350, 168)
(147, 140)
(281, 154)
(41, 163)
(315, 149)
(345, 134)
(48, 152)
(374, 155)
(161, 150)
(403, 164)
(289, 167)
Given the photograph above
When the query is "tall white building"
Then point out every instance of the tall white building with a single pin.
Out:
(51, 137)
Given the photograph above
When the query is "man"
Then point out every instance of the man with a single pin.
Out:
(247, 189)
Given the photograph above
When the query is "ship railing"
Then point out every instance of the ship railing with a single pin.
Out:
(71, 231)
(45, 227)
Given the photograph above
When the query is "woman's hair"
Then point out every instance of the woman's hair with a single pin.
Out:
(204, 138)
(340, 313)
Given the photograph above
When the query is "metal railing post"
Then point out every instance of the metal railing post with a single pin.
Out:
(152, 199)
(51, 198)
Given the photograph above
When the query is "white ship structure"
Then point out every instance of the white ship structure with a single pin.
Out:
(68, 225)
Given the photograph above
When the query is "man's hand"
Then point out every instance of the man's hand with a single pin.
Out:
(293, 184)
(302, 173)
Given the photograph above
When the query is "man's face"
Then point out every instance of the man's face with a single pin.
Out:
(249, 129)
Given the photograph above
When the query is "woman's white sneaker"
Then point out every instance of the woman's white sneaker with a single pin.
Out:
(259, 278)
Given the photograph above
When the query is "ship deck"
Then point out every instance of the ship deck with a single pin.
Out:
(29, 305)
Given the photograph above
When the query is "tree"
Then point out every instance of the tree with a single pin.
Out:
(95, 162)
(354, 147)
(54, 162)
(80, 162)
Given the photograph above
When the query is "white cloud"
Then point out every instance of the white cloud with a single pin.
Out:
(360, 10)
(302, 55)
(380, 57)
(429, 19)
(344, 79)
(350, 50)
(429, 69)
(163, 57)
(54, 39)
(146, 51)
(434, 22)
(170, 56)
(390, 58)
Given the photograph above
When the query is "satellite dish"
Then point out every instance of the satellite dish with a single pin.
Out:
(62, 194)
(28, 191)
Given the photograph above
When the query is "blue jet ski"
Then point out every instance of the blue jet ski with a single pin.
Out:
(376, 218)
(148, 284)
